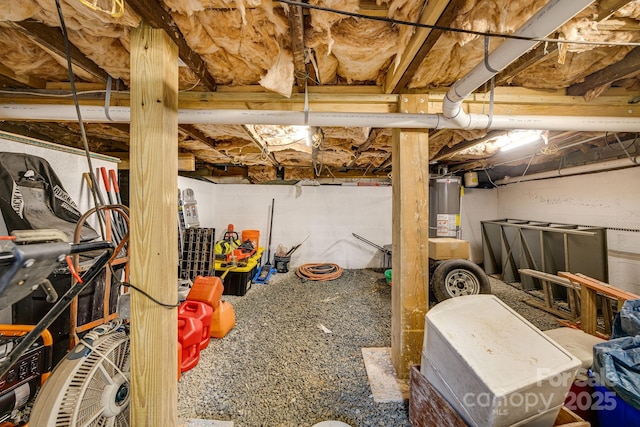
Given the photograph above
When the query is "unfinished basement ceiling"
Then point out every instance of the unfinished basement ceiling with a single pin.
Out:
(286, 56)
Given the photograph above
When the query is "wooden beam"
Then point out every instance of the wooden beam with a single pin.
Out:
(606, 8)
(507, 100)
(627, 67)
(25, 129)
(373, 135)
(154, 234)
(450, 151)
(186, 161)
(441, 13)
(542, 53)
(589, 290)
(152, 12)
(196, 133)
(15, 80)
(385, 164)
(410, 241)
(538, 54)
(259, 142)
(296, 33)
(53, 40)
(373, 9)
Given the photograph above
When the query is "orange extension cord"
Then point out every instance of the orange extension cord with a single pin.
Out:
(319, 272)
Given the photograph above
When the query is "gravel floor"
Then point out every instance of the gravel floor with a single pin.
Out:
(280, 367)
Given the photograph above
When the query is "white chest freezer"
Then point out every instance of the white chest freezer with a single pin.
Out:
(493, 366)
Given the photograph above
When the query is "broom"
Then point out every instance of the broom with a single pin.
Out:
(265, 270)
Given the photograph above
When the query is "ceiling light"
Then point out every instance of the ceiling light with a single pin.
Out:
(519, 138)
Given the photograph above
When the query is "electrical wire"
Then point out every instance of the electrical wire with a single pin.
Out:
(319, 272)
(160, 303)
(613, 146)
(76, 103)
(85, 143)
(527, 168)
(489, 177)
(633, 160)
(451, 29)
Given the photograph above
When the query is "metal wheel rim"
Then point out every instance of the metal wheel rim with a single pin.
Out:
(461, 282)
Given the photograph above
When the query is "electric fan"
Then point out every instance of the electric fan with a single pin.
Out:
(90, 386)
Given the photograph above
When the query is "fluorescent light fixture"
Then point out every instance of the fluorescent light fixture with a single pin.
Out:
(519, 138)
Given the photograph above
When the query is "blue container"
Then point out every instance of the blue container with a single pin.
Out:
(621, 415)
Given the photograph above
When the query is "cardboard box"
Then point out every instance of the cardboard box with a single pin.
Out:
(442, 248)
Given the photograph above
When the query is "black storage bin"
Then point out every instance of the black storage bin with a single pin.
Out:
(32, 309)
(236, 282)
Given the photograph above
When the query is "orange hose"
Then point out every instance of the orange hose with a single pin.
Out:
(319, 272)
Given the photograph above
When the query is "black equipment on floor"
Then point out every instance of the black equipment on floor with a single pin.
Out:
(20, 384)
(24, 267)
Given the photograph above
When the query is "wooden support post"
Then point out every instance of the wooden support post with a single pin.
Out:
(154, 238)
(410, 291)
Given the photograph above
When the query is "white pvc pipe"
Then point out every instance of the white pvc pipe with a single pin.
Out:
(553, 15)
(575, 170)
(43, 112)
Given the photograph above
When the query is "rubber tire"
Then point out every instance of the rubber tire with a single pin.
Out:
(442, 270)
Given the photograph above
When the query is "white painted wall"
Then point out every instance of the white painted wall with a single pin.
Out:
(327, 214)
(476, 205)
(605, 199)
(205, 195)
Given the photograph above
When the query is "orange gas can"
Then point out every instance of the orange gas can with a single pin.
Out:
(207, 289)
(201, 311)
(223, 320)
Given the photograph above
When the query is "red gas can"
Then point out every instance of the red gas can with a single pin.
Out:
(201, 311)
(189, 337)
